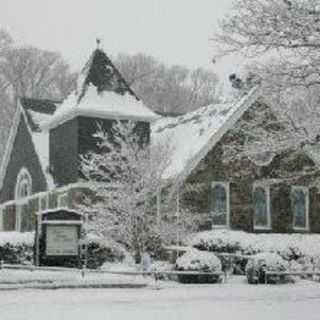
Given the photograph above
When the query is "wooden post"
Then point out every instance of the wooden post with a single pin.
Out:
(84, 245)
(230, 265)
(38, 232)
(178, 220)
(159, 208)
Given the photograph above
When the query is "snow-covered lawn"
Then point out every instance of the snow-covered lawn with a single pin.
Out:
(12, 279)
(235, 300)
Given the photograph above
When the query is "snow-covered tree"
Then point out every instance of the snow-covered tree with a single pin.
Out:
(281, 39)
(287, 31)
(124, 177)
(284, 119)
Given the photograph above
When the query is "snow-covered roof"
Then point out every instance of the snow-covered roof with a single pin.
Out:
(38, 117)
(38, 111)
(101, 92)
(40, 141)
(106, 104)
(41, 144)
(192, 135)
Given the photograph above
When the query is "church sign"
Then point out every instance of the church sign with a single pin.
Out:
(62, 240)
(58, 235)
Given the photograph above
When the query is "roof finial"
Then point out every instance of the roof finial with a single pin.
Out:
(98, 41)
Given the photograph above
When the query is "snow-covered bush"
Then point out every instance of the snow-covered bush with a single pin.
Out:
(16, 247)
(288, 246)
(101, 250)
(262, 262)
(202, 261)
(196, 260)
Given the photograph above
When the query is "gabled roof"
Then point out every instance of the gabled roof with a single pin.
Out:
(193, 135)
(100, 72)
(101, 92)
(20, 114)
(38, 110)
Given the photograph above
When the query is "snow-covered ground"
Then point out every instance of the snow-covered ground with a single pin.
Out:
(235, 300)
(13, 279)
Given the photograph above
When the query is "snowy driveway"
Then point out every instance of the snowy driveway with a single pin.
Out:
(235, 300)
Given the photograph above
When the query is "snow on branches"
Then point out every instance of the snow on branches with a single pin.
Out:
(124, 176)
(287, 31)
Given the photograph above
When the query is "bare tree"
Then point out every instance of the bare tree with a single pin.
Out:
(174, 89)
(28, 71)
(36, 73)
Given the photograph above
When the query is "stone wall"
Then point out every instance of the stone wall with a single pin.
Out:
(291, 168)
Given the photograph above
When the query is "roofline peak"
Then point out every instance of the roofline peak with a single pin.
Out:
(98, 42)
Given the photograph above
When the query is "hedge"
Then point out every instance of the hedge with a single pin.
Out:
(17, 248)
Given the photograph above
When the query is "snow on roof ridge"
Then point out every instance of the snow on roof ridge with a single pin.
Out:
(194, 134)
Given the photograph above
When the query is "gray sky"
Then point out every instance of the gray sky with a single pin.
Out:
(175, 31)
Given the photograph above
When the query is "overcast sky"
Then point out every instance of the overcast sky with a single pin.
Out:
(175, 31)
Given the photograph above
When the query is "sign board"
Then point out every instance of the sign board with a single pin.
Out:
(58, 234)
(62, 240)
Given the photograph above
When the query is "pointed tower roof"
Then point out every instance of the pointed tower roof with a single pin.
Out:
(101, 92)
(100, 72)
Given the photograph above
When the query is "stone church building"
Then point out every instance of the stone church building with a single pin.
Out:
(40, 168)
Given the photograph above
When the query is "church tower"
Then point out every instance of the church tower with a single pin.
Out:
(102, 95)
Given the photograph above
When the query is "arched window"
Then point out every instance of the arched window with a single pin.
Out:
(300, 207)
(23, 185)
(23, 189)
(219, 204)
(261, 204)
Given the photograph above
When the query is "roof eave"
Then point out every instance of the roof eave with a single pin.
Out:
(74, 113)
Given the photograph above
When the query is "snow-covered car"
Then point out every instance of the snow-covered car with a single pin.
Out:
(199, 261)
(266, 261)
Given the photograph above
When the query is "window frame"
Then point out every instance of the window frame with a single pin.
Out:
(226, 186)
(24, 179)
(305, 190)
(266, 188)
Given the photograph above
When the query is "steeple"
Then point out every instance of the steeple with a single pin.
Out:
(100, 72)
(98, 41)
(101, 92)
